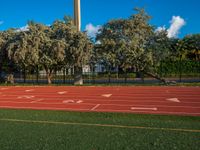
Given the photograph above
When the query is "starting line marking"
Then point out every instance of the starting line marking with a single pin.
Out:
(101, 125)
(174, 100)
(143, 108)
(106, 95)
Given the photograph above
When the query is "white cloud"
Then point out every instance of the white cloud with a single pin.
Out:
(1, 22)
(92, 30)
(24, 28)
(176, 24)
(159, 29)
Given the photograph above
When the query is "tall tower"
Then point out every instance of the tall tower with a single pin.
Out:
(77, 14)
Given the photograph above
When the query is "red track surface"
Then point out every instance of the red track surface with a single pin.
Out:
(148, 100)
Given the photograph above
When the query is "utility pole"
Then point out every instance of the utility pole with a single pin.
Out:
(78, 78)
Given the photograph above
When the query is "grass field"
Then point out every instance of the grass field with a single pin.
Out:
(57, 130)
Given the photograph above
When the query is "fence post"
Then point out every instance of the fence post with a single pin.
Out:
(64, 75)
(24, 74)
(199, 70)
(109, 74)
(180, 69)
(125, 76)
(93, 73)
(37, 71)
(161, 69)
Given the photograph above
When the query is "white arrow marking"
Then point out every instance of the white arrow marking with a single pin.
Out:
(68, 101)
(73, 101)
(106, 95)
(62, 92)
(25, 96)
(29, 90)
(78, 102)
(143, 108)
(174, 100)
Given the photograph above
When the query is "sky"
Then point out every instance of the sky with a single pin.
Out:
(178, 17)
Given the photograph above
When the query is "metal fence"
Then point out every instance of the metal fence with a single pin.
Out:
(185, 71)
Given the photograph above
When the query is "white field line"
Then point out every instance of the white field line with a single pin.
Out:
(95, 107)
(99, 125)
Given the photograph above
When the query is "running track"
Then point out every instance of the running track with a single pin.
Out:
(147, 100)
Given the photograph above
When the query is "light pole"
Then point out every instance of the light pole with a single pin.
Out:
(78, 78)
(77, 14)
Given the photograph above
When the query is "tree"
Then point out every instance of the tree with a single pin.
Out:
(51, 52)
(192, 44)
(78, 48)
(2, 43)
(160, 46)
(123, 42)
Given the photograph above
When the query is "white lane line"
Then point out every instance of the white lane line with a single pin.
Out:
(45, 108)
(144, 108)
(61, 93)
(173, 100)
(4, 88)
(106, 95)
(31, 90)
(95, 107)
(77, 102)
(148, 112)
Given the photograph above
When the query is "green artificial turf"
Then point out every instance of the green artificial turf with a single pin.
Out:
(86, 132)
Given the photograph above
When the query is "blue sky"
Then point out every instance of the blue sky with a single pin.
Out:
(16, 13)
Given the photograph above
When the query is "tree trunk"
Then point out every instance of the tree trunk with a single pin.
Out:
(49, 75)
(49, 78)
(158, 77)
(78, 78)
